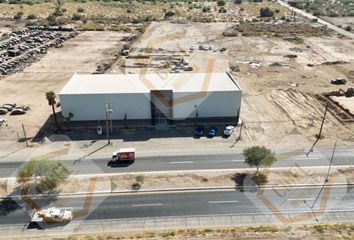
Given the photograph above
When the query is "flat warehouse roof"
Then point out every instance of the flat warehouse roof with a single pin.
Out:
(143, 83)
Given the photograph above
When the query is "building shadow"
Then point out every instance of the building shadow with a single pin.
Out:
(78, 131)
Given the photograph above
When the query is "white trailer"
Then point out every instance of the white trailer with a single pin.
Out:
(124, 154)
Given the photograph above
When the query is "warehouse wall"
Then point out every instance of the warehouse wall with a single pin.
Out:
(89, 107)
(209, 105)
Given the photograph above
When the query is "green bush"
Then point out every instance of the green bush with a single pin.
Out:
(169, 14)
(80, 10)
(76, 17)
(238, 1)
(221, 2)
(222, 10)
(18, 16)
(31, 16)
(206, 9)
(266, 12)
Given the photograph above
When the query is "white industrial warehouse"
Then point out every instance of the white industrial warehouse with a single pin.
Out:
(152, 99)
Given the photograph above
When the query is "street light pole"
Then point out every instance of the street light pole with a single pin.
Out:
(108, 110)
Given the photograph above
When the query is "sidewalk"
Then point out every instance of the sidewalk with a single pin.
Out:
(168, 223)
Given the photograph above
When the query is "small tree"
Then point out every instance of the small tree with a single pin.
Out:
(266, 12)
(43, 175)
(67, 120)
(258, 156)
(50, 96)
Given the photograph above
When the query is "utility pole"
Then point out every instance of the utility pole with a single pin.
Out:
(108, 110)
(320, 133)
(330, 163)
(24, 133)
(323, 119)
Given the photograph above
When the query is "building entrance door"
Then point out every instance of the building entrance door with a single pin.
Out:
(161, 108)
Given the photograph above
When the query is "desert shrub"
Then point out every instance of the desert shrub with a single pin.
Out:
(31, 16)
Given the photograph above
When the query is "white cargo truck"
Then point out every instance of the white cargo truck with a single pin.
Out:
(124, 154)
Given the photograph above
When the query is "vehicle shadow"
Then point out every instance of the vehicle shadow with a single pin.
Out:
(119, 164)
(42, 226)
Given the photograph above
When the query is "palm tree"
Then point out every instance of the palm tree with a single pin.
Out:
(50, 96)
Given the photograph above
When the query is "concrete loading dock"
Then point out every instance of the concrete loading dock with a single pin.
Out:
(153, 99)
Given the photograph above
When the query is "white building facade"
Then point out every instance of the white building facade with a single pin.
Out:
(152, 99)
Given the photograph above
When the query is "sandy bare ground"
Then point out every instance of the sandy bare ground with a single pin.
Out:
(279, 104)
(81, 54)
(187, 179)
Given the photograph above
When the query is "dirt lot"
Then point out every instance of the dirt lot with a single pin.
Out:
(28, 87)
(279, 103)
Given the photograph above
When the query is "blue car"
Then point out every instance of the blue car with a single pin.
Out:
(212, 132)
(199, 131)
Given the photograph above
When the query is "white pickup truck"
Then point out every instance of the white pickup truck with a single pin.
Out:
(52, 215)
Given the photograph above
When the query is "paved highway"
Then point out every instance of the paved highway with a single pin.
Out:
(204, 203)
(189, 162)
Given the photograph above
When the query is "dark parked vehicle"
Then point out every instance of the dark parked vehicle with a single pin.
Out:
(199, 131)
(212, 132)
(8, 107)
(338, 81)
(18, 112)
(3, 111)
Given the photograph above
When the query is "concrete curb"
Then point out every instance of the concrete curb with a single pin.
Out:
(158, 190)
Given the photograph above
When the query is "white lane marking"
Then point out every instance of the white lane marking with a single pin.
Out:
(146, 204)
(305, 158)
(237, 160)
(300, 199)
(216, 202)
(181, 162)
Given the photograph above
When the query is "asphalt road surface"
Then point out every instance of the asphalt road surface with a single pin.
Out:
(189, 162)
(202, 203)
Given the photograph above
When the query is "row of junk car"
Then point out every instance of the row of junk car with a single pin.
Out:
(13, 109)
(22, 47)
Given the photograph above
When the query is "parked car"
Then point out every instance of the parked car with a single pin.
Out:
(25, 108)
(7, 107)
(13, 105)
(212, 132)
(338, 81)
(3, 121)
(229, 130)
(18, 112)
(3, 111)
(199, 131)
